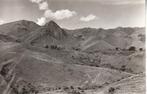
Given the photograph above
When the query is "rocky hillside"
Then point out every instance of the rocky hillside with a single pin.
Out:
(49, 34)
(48, 59)
(118, 37)
(18, 30)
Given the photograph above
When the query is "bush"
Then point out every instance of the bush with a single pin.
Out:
(57, 47)
(17, 40)
(23, 87)
(116, 48)
(79, 88)
(53, 46)
(111, 90)
(46, 46)
(132, 48)
(140, 49)
(5, 70)
(71, 87)
(123, 68)
(75, 92)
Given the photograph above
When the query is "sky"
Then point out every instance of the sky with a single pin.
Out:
(73, 14)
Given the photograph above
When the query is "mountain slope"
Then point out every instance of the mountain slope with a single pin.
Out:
(98, 45)
(121, 37)
(49, 34)
(41, 69)
(18, 29)
(43, 64)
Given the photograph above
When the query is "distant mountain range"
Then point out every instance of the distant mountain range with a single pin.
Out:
(51, 33)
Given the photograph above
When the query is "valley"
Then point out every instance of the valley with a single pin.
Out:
(50, 60)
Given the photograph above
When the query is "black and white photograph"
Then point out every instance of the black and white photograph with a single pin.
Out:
(72, 47)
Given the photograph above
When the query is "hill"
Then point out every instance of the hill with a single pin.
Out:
(121, 37)
(42, 70)
(47, 59)
(18, 29)
(49, 34)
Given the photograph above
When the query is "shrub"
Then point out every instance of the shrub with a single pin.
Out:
(71, 87)
(100, 86)
(111, 90)
(5, 70)
(17, 40)
(123, 68)
(46, 46)
(59, 87)
(140, 49)
(53, 46)
(23, 87)
(57, 47)
(79, 88)
(75, 92)
(132, 48)
(116, 48)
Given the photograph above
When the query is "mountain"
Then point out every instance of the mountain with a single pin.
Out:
(55, 30)
(138, 38)
(7, 38)
(121, 37)
(19, 29)
(49, 59)
(51, 33)
(48, 34)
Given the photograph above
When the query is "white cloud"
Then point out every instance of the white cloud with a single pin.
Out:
(41, 21)
(2, 22)
(88, 18)
(43, 6)
(59, 14)
(36, 1)
(48, 13)
(62, 14)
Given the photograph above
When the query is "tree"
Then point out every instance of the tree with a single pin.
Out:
(71, 87)
(53, 46)
(111, 90)
(116, 48)
(140, 49)
(123, 68)
(132, 48)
